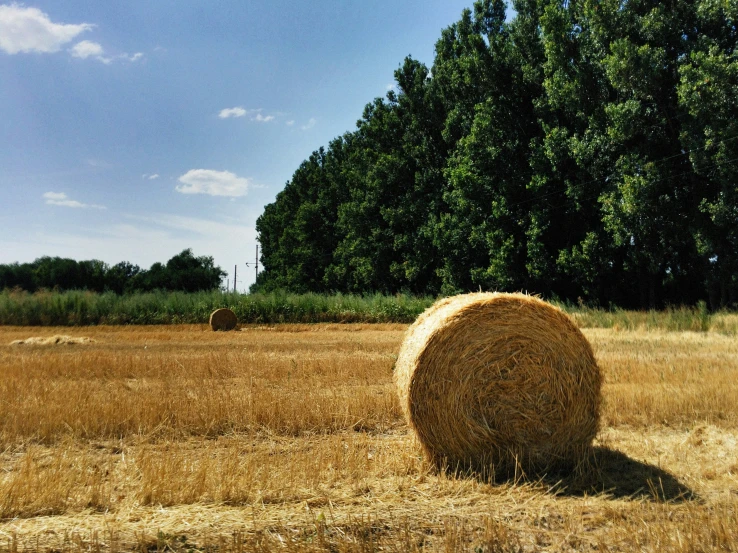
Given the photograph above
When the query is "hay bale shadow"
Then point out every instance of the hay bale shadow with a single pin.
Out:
(605, 472)
(613, 473)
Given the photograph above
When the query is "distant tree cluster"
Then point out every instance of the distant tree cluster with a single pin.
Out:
(183, 272)
(585, 149)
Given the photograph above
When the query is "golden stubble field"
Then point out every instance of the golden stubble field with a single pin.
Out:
(291, 438)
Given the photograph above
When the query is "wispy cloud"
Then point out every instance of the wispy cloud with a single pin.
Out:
(60, 198)
(290, 122)
(196, 225)
(252, 114)
(98, 163)
(310, 124)
(88, 49)
(25, 30)
(154, 176)
(232, 112)
(213, 183)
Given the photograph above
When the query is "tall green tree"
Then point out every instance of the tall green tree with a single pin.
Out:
(394, 180)
(582, 150)
(708, 92)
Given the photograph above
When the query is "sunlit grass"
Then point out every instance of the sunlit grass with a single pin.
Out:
(89, 308)
(79, 308)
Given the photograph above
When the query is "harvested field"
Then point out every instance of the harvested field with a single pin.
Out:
(292, 438)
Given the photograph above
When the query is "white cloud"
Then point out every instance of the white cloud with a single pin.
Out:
(30, 30)
(85, 49)
(253, 114)
(195, 225)
(310, 124)
(154, 176)
(290, 122)
(88, 49)
(131, 58)
(213, 183)
(98, 163)
(53, 196)
(60, 198)
(256, 115)
(232, 112)
(390, 86)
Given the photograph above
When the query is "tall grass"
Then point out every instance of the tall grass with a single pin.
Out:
(695, 319)
(88, 308)
(76, 308)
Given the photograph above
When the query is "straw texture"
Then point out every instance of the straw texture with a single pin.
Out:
(499, 381)
(223, 319)
(56, 340)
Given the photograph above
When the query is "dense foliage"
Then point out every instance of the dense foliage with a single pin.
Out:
(585, 149)
(183, 272)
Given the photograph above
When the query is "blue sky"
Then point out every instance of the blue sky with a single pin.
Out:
(133, 130)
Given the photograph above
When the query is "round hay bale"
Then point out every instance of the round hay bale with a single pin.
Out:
(499, 381)
(223, 319)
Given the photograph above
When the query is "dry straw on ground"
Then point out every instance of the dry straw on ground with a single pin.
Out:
(223, 319)
(501, 381)
(168, 438)
(55, 340)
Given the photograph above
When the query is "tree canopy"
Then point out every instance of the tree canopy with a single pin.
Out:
(183, 272)
(586, 149)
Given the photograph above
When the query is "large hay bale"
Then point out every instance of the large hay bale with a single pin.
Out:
(223, 319)
(500, 381)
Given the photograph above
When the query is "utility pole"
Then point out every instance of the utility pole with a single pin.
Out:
(235, 273)
(256, 262)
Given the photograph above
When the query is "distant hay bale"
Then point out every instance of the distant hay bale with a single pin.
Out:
(499, 381)
(58, 339)
(223, 319)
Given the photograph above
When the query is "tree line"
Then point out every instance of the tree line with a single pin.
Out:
(584, 150)
(183, 272)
